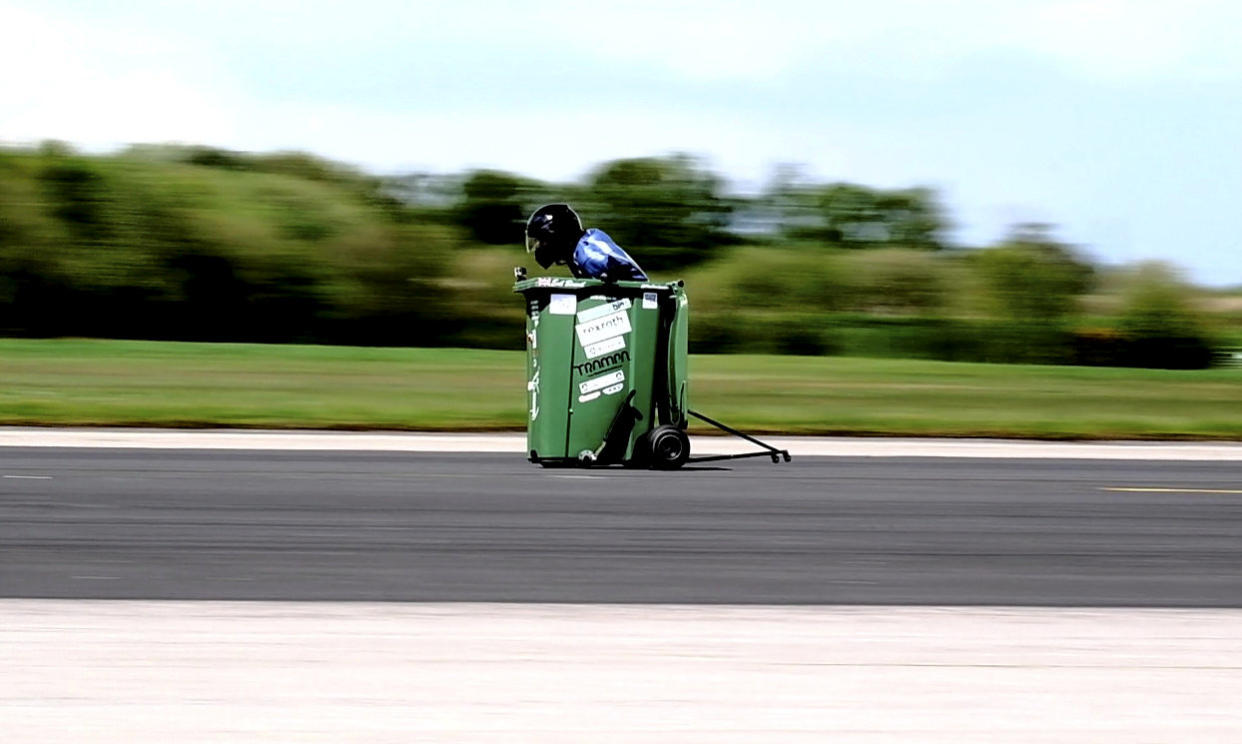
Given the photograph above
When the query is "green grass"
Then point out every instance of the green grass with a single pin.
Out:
(133, 383)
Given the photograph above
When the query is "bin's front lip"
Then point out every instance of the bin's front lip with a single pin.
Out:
(581, 286)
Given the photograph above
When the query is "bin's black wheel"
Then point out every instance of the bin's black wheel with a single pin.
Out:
(667, 448)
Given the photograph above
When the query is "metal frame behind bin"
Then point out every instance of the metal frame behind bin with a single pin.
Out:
(768, 450)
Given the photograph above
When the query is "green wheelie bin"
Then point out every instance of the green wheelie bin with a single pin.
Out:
(607, 373)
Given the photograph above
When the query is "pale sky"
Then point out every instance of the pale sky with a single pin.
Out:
(1118, 121)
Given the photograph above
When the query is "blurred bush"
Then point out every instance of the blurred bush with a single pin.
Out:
(1159, 322)
(494, 206)
(854, 216)
(1033, 282)
(668, 210)
(198, 243)
(1032, 276)
(897, 281)
(770, 277)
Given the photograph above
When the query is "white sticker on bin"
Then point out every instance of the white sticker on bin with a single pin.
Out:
(599, 311)
(603, 381)
(600, 329)
(616, 343)
(562, 304)
(556, 281)
(650, 301)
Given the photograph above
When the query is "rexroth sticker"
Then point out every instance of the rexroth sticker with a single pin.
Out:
(600, 329)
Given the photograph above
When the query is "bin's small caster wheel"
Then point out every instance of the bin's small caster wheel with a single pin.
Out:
(668, 448)
(586, 458)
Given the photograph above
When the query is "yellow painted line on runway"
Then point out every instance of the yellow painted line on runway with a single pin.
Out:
(1143, 489)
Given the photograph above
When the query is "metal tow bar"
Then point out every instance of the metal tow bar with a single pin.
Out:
(768, 450)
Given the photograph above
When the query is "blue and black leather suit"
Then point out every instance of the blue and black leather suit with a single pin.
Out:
(597, 257)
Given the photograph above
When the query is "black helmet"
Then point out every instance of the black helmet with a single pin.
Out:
(552, 232)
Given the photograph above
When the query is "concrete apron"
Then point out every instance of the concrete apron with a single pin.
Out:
(121, 671)
(240, 439)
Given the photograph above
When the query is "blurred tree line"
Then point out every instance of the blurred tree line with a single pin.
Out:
(197, 243)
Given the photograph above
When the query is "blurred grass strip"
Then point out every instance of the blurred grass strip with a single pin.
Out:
(138, 383)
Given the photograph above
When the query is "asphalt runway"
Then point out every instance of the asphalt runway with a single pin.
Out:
(429, 527)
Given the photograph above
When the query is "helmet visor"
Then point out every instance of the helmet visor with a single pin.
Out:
(540, 250)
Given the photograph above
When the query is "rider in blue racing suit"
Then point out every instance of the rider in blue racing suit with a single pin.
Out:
(554, 234)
